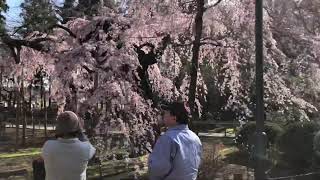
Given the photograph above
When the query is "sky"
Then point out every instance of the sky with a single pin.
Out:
(12, 16)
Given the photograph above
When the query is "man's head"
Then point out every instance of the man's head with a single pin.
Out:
(68, 124)
(175, 113)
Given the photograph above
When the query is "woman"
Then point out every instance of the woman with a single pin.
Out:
(66, 158)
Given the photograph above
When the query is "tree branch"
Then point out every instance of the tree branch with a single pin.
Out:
(204, 41)
(212, 5)
(18, 29)
(64, 28)
(51, 27)
(217, 44)
(187, 2)
(16, 44)
(88, 69)
(34, 44)
(300, 17)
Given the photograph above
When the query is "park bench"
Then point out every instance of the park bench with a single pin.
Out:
(217, 125)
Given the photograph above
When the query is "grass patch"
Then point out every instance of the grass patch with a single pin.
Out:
(21, 153)
(229, 150)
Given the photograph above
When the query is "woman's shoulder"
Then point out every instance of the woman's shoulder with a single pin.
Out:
(50, 142)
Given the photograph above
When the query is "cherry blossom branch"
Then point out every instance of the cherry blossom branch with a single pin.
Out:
(191, 21)
(217, 44)
(145, 37)
(202, 42)
(34, 44)
(268, 10)
(88, 69)
(64, 28)
(187, 2)
(299, 16)
(15, 45)
(51, 27)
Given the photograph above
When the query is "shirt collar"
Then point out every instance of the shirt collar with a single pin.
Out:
(70, 140)
(179, 127)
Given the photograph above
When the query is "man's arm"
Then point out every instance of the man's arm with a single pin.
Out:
(160, 160)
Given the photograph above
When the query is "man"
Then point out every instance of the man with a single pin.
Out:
(177, 153)
(67, 157)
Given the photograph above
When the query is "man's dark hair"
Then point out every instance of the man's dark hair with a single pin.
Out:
(178, 109)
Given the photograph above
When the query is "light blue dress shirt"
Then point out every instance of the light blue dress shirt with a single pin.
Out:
(176, 155)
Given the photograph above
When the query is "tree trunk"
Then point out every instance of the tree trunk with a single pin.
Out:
(44, 106)
(96, 84)
(1, 74)
(75, 101)
(41, 94)
(33, 124)
(39, 113)
(10, 100)
(11, 96)
(49, 93)
(101, 105)
(45, 115)
(96, 80)
(17, 118)
(14, 99)
(30, 110)
(195, 58)
(30, 96)
(24, 109)
(23, 112)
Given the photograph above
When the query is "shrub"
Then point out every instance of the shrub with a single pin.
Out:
(247, 131)
(296, 144)
(211, 162)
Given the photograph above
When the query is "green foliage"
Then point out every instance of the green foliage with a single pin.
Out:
(84, 8)
(296, 143)
(243, 140)
(38, 16)
(3, 8)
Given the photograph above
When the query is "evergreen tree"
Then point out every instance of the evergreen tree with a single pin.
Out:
(38, 15)
(82, 8)
(3, 8)
(85, 8)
